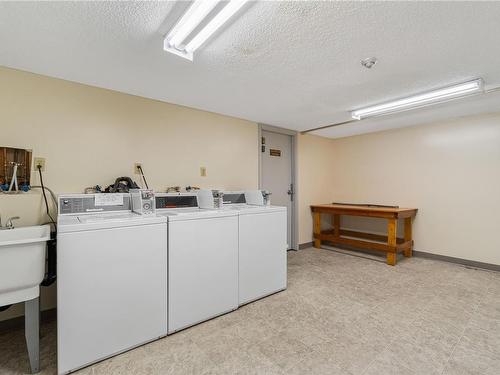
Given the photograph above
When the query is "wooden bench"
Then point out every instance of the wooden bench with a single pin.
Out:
(390, 244)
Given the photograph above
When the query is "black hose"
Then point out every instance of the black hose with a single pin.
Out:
(45, 198)
(143, 177)
(51, 274)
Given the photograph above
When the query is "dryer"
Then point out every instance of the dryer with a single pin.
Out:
(202, 260)
(112, 281)
(262, 242)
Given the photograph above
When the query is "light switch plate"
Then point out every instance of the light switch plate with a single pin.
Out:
(203, 171)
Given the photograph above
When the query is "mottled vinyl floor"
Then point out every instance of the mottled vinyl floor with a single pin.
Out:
(341, 314)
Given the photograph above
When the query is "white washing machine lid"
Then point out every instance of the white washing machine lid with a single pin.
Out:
(181, 214)
(85, 222)
(249, 209)
(244, 209)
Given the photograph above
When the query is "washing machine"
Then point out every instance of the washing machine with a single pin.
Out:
(262, 241)
(112, 278)
(202, 260)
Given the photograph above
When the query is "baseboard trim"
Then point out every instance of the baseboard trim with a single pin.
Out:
(305, 245)
(463, 262)
(420, 254)
(18, 321)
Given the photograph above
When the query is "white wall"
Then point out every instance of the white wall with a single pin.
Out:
(450, 171)
(315, 178)
(91, 136)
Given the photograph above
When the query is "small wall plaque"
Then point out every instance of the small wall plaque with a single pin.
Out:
(274, 152)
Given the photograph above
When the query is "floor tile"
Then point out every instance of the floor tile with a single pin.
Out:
(384, 364)
(486, 341)
(341, 314)
(316, 363)
(284, 350)
(470, 359)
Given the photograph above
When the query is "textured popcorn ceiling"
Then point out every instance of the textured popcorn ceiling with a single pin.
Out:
(289, 64)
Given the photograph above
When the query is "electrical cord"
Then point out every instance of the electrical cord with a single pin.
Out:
(51, 257)
(143, 177)
(53, 196)
(45, 197)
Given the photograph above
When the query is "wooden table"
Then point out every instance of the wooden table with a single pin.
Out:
(390, 244)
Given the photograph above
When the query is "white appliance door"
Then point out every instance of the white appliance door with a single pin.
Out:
(202, 270)
(262, 255)
(111, 292)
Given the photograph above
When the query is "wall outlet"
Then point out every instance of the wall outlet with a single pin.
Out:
(39, 162)
(137, 168)
(203, 171)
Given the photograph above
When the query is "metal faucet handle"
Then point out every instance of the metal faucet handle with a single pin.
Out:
(9, 223)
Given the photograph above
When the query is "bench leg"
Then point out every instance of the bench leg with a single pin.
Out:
(32, 332)
(391, 259)
(392, 231)
(408, 237)
(317, 228)
(336, 225)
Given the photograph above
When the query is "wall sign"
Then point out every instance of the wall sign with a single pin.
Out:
(274, 152)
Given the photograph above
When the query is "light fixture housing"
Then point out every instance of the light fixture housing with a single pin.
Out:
(421, 100)
(177, 41)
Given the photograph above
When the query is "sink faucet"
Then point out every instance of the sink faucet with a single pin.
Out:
(9, 224)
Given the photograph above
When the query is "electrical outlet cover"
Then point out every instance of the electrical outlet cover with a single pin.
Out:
(39, 161)
(203, 171)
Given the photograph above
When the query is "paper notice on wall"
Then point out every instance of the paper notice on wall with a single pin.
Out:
(114, 199)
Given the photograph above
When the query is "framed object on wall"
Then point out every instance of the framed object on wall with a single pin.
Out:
(15, 169)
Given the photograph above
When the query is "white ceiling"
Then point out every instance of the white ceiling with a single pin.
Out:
(289, 64)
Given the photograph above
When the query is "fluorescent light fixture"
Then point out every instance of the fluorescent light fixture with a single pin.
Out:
(175, 41)
(192, 18)
(420, 100)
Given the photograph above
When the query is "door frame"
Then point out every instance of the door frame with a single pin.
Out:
(295, 204)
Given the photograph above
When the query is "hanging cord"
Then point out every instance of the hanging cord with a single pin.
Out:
(45, 197)
(53, 196)
(51, 258)
(144, 178)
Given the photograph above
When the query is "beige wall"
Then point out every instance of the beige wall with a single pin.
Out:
(315, 178)
(450, 171)
(90, 136)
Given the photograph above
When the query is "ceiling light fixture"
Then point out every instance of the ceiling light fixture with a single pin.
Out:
(421, 100)
(176, 40)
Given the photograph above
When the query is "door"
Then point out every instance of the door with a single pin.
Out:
(202, 270)
(108, 279)
(276, 172)
(262, 254)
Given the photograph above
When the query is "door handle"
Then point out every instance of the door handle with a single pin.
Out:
(290, 192)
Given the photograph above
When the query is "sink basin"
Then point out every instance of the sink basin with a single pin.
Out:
(22, 263)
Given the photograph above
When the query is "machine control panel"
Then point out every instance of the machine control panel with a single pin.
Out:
(234, 197)
(143, 201)
(168, 200)
(86, 203)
